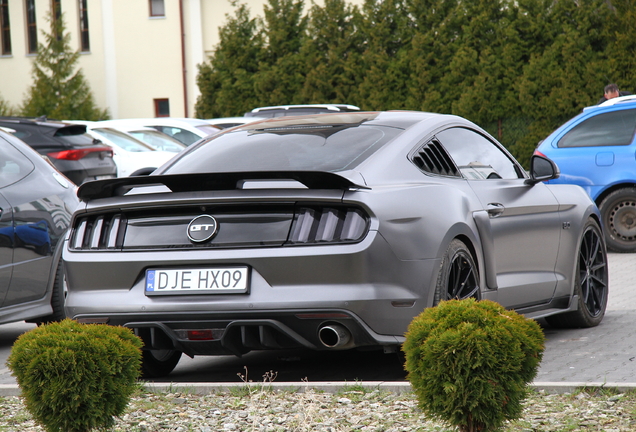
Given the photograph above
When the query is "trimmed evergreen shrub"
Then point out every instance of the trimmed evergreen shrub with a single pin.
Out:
(469, 362)
(76, 377)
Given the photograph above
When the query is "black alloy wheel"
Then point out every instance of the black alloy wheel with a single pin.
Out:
(591, 282)
(593, 272)
(458, 278)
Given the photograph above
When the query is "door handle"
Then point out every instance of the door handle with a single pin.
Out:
(495, 209)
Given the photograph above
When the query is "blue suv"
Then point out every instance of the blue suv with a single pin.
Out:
(597, 150)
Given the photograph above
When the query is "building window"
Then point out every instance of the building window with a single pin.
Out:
(31, 26)
(83, 22)
(5, 28)
(162, 108)
(157, 8)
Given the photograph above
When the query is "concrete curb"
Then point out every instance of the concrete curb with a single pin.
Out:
(397, 387)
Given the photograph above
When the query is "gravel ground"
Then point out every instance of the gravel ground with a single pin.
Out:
(354, 409)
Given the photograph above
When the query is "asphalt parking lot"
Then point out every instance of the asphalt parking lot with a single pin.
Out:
(603, 355)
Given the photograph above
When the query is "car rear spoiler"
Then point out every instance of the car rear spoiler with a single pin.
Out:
(210, 181)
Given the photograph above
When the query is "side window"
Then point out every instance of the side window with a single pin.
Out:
(476, 156)
(179, 134)
(14, 165)
(614, 128)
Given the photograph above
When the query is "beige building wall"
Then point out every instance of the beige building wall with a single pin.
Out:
(134, 58)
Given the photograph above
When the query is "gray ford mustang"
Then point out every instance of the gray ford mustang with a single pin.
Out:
(329, 231)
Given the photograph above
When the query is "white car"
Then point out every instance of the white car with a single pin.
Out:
(130, 154)
(184, 130)
(293, 110)
(228, 122)
(152, 137)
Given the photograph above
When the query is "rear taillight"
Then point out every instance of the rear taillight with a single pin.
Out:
(77, 154)
(97, 232)
(328, 225)
(538, 153)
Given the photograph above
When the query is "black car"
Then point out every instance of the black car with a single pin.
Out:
(36, 204)
(74, 153)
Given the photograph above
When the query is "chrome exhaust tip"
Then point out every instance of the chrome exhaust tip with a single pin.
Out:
(334, 335)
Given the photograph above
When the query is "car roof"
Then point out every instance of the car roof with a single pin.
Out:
(162, 121)
(289, 109)
(123, 124)
(621, 100)
(399, 119)
(228, 122)
(40, 121)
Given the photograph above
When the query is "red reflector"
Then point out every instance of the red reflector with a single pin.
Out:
(78, 154)
(200, 335)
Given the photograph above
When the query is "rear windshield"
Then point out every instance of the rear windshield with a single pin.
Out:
(75, 135)
(123, 140)
(293, 148)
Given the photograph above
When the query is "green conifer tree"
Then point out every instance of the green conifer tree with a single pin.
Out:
(332, 52)
(59, 90)
(568, 75)
(226, 80)
(281, 70)
(387, 32)
(5, 108)
(432, 49)
(621, 50)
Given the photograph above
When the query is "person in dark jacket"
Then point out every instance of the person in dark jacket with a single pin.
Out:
(611, 91)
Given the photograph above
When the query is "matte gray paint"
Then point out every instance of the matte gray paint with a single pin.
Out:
(524, 255)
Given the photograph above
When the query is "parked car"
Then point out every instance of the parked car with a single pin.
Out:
(229, 122)
(595, 150)
(36, 205)
(328, 232)
(152, 137)
(292, 110)
(130, 154)
(185, 130)
(74, 153)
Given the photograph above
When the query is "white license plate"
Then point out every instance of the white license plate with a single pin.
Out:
(211, 280)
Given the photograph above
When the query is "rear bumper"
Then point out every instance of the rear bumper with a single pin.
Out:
(374, 295)
(241, 332)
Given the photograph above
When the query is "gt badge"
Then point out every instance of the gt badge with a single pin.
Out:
(202, 228)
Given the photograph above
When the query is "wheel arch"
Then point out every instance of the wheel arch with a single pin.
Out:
(477, 258)
(471, 247)
(599, 199)
(474, 250)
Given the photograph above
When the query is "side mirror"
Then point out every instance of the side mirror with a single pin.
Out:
(542, 169)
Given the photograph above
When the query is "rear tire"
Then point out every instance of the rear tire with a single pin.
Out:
(591, 282)
(58, 298)
(458, 277)
(618, 211)
(158, 363)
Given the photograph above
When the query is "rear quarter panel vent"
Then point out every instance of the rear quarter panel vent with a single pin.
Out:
(432, 158)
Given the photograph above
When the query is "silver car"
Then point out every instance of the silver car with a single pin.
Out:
(330, 232)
